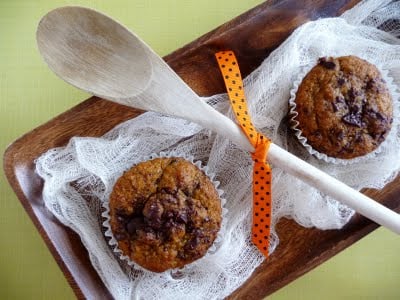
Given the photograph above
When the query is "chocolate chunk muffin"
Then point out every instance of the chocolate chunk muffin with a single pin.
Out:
(344, 107)
(164, 213)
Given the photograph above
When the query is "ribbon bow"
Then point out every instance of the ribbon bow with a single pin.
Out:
(261, 171)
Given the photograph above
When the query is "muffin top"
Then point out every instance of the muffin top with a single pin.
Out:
(164, 213)
(344, 107)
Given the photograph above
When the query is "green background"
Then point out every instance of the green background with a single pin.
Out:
(30, 95)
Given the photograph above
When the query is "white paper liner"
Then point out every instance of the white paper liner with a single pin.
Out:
(177, 272)
(329, 159)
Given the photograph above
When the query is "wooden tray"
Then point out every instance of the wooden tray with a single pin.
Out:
(252, 36)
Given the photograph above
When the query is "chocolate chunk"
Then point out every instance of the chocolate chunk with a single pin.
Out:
(190, 227)
(352, 119)
(341, 81)
(379, 116)
(182, 217)
(152, 212)
(330, 65)
(134, 225)
(370, 84)
(355, 109)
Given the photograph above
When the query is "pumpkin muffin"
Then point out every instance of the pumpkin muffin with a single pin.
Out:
(344, 107)
(164, 213)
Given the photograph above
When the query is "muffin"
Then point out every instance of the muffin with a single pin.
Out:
(164, 213)
(344, 108)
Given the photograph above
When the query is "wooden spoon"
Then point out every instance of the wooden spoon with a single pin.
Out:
(96, 54)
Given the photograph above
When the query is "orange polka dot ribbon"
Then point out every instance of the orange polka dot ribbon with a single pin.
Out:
(261, 171)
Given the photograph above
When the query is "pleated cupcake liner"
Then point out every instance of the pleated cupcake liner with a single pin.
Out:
(213, 248)
(329, 159)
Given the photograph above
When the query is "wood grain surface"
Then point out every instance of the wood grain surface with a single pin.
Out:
(252, 36)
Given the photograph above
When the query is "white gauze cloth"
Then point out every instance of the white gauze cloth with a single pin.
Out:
(79, 177)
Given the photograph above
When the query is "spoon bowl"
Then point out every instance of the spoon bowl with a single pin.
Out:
(97, 54)
(79, 45)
